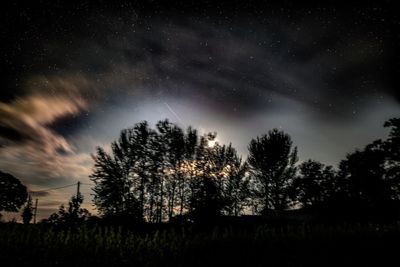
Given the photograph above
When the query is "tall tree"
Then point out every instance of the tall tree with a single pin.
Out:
(143, 176)
(368, 180)
(27, 212)
(13, 193)
(173, 146)
(234, 181)
(314, 184)
(392, 148)
(154, 184)
(140, 161)
(110, 189)
(362, 183)
(186, 169)
(121, 176)
(206, 201)
(272, 163)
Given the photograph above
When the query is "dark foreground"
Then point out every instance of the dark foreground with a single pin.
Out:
(344, 245)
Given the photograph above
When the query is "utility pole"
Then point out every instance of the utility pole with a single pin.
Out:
(34, 214)
(78, 186)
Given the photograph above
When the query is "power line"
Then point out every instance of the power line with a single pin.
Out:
(53, 188)
(78, 192)
(60, 187)
(86, 184)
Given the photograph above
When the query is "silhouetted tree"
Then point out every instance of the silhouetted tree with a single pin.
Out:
(172, 142)
(159, 174)
(154, 185)
(73, 214)
(110, 189)
(235, 182)
(314, 184)
(272, 163)
(121, 177)
(206, 200)
(140, 159)
(362, 186)
(13, 193)
(367, 183)
(187, 170)
(392, 148)
(27, 212)
(144, 176)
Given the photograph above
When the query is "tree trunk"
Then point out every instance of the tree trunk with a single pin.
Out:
(172, 202)
(161, 200)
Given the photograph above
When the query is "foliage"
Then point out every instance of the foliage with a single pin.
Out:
(236, 181)
(367, 182)
(314, 184)
(392, 160)
(159, 174)
(73, 214)
(27, 212)
(166, 173)
(272, 163)
(13, 193)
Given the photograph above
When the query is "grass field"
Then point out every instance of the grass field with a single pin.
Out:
(345, 245)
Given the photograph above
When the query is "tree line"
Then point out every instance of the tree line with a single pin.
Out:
(168, 173)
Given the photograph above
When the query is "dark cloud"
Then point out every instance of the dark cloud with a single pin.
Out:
(10, 135)
(242, 63)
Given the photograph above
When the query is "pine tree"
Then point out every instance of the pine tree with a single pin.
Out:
(27, 212)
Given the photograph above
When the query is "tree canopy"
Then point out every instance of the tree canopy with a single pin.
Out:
(272, 161)
(167, 173)
(72, 214)
(13, 193)
(157, 174)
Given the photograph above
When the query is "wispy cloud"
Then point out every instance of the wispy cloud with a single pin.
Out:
(36, 154)
(25, 121)
(30, 147)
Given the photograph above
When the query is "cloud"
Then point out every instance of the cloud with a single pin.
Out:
(26, 120)
(32, 151)
(245, 66)
(29, 146)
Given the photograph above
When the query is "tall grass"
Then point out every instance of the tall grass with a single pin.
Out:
(41, 245)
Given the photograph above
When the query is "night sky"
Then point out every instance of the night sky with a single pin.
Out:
(73, 76)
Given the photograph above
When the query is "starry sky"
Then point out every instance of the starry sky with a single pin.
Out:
(74, 75)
